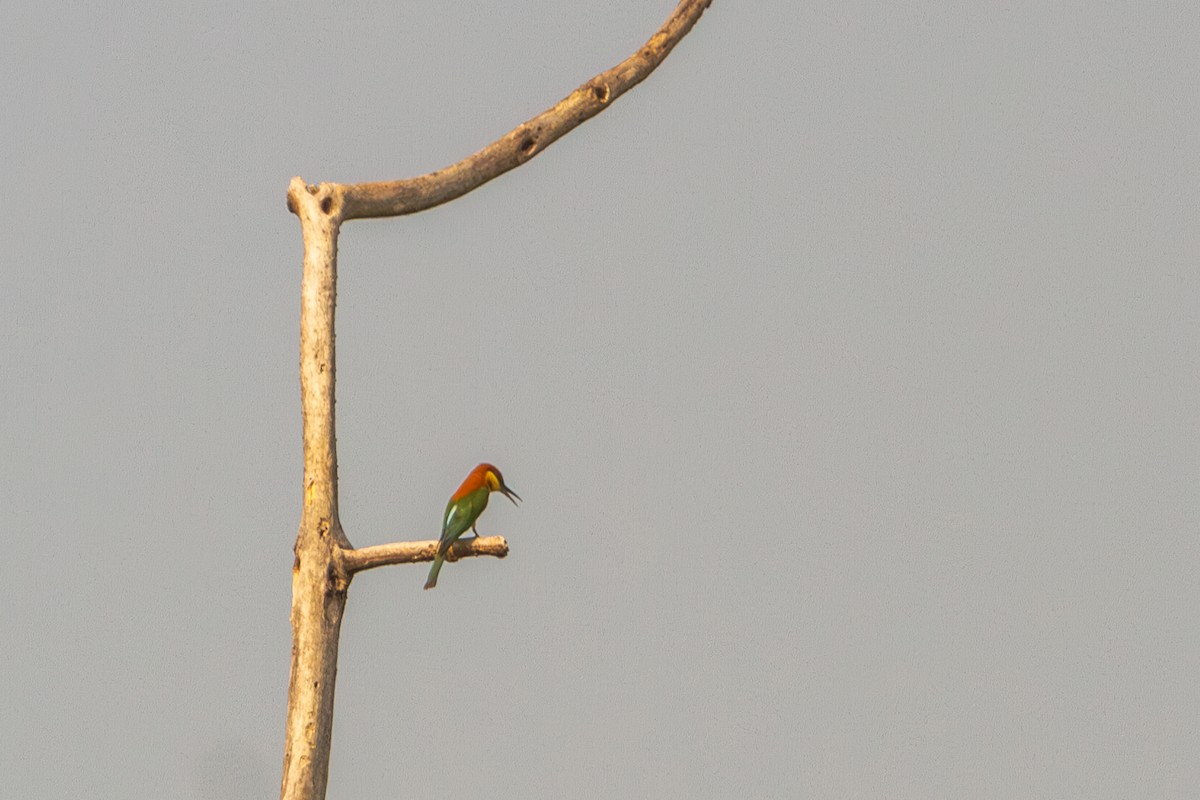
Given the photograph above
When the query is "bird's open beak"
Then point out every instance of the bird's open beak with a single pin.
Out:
(510, 494)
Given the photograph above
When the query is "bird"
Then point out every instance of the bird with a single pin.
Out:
(464, 508)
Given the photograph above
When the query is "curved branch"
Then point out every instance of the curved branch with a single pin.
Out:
(393, 198)
(380, 555)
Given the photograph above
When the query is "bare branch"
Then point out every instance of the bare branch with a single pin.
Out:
(381, 555)
(325, 561)
(393, 198)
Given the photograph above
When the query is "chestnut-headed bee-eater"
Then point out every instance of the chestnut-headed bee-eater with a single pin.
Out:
(464, 508)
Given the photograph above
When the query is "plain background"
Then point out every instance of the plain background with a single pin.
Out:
(847, 368)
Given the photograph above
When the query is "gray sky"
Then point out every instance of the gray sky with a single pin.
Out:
(847, 368)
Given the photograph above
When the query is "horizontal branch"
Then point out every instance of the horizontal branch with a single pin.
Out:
(393, 198)
(381, 555)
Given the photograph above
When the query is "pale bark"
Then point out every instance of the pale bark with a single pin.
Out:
(382, 555)
(325, 560)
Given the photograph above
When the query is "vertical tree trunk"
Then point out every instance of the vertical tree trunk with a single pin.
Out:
(318, 581)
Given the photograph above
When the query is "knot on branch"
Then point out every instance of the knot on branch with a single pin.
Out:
(527, 144)
(600, 92)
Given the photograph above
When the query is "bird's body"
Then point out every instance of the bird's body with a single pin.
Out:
(464, 508)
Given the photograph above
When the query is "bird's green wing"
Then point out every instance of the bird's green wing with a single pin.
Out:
(461, 515)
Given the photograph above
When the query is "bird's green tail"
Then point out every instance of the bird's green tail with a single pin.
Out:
(433, 571)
